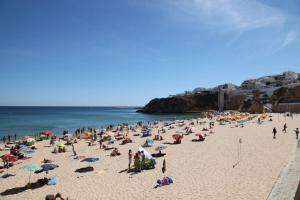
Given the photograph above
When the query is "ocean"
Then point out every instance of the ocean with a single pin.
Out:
(30, 120)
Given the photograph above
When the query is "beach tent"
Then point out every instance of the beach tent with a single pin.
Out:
(146, 153)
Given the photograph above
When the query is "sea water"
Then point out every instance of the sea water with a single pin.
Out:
(30, 120)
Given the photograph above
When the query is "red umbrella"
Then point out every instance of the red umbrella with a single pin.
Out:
(200, 135)
(47, 132)
(9, 158)
(177, 137)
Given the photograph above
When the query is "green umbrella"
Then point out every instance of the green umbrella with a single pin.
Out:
(31, 168)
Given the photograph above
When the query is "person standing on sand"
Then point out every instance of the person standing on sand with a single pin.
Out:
(297, 133)
(164, 168)
(274, 133)
(74, 152)
(129, 159)
(100, 142)
(284, 128)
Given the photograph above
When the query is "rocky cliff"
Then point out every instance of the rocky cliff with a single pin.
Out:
(209, 101)
(181, 104)
(242, 104)
(286, 95)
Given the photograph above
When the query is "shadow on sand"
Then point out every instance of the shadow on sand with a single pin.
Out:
(38, 184)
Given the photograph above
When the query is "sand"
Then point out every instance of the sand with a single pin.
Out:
(202, 170)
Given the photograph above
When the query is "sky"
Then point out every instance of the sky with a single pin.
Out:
(126, 52)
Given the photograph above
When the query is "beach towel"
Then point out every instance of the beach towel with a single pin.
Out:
(90, 160)
(102, 171)
(52, 180)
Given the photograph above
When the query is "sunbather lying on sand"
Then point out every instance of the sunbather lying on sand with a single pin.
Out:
(106, 147)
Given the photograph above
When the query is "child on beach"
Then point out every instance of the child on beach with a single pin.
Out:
(129, 158)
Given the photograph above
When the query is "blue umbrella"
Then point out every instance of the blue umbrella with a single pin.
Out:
(90, 160)
(26, 150)
(160, 148)
(150, 141)
(48, 167)
(31, 168)
(21, 146)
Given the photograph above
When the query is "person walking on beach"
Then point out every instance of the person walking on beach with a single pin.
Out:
(274, 133)
(297, 133)
(129, 159)
(15, 137)
(4, 139)
(284, 128)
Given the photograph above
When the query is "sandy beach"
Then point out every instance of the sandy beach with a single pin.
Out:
(200, 170)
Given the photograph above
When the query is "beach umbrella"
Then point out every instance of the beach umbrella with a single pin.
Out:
(90, 160)
(31, 168)
(9, 158)
(26, 150)
(200, 134)
(61, 145)
(21, 146)
(47, 132)
(160, 147)
(177, 137)
(150, 141)
(49, 166)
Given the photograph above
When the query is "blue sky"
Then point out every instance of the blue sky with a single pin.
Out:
(126, 52)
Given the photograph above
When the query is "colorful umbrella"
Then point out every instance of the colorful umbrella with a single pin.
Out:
(47, 132)
(160, 148)
(177, 137)
(200, 134)
(9, 158)
(61, 145)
